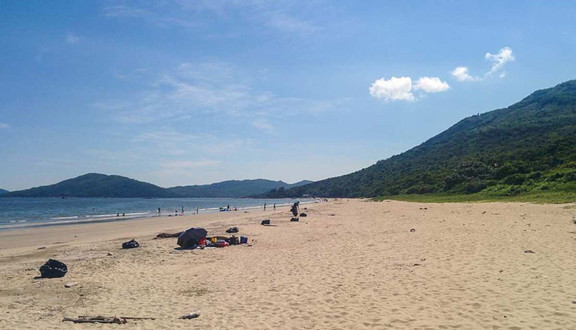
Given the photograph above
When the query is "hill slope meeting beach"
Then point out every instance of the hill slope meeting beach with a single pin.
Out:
(528, 148)
(288, 164)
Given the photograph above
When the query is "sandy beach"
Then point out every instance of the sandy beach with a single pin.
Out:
(349, 265)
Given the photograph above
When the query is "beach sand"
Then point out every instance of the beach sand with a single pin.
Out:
(349, 265)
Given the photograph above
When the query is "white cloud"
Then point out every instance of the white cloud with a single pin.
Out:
(208, 89)
(150, 15)
(498, 60)
(283, 16)
(4, 125)
(287, 17)
(431, 85)
(393, 89)
(401, 89)
(71, 38)
(461, 74)
(125, 11)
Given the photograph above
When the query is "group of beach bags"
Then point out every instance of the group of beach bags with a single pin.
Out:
(189, 239)
(197, 238)
(53, 269)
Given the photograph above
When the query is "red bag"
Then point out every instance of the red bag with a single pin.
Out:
(222, 244)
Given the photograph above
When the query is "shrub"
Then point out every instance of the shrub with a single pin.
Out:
(475, 186)
(515, 179)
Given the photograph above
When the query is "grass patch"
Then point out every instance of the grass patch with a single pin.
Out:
(548, 197)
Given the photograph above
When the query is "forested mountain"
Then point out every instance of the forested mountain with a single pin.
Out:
(94, 185)
(233, 188)
(101, 185)
(529, 146)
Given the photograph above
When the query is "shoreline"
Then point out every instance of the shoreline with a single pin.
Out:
(349, 264)
(108, 218)
(70, 233)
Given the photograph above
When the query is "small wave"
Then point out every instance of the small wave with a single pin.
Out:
(283, 204)
(251, 207)
(17, 224)
(139, 213)
(101, 215)
(64, 218)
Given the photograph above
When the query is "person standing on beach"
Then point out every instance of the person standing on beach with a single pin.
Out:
(264, 206)
(274, 206)
(294, 208)
(158, 211)
(182, 209)
(196, 209)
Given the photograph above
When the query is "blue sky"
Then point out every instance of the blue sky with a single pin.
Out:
(194, 92)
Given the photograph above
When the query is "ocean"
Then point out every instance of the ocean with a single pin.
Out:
(32, 212)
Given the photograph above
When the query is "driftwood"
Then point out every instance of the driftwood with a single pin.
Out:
(96, 319)
(168, 235)
(105, 319)
(190, 316)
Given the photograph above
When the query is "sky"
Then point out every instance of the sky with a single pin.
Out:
(199, 91)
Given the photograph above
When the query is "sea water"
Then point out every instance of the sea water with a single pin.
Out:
(31, 212)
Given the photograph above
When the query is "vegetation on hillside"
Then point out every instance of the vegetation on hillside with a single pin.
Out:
(94, 185)
(542, 197)
(233, 188)
(101, 185)
(528, 148)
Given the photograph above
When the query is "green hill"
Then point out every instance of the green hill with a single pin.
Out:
(233, 188)
(529, 147)
(94, 185)
(101, 185)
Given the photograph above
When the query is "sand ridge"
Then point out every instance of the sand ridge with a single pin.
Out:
(349, 264)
